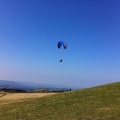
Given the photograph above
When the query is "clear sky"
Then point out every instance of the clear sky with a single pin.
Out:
(31, 29)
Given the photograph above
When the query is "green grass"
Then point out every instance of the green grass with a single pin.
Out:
(97, 103)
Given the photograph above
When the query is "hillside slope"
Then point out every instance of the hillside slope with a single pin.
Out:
(97, 103)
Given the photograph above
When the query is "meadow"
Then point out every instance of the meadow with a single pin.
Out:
(96, 103)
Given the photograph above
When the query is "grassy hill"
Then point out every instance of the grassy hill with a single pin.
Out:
(97, 103)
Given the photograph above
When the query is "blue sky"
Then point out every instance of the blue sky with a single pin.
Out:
(31, 29)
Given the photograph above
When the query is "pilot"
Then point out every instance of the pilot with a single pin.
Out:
(61, 60)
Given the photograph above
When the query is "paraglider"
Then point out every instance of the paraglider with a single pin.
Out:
(60, 44)
(61, 60)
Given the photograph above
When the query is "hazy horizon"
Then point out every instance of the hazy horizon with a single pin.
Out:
(30, 31)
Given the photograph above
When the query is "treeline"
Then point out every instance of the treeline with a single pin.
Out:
(43, 90)
(61, 90)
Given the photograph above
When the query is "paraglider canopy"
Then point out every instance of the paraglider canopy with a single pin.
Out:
(61, 43)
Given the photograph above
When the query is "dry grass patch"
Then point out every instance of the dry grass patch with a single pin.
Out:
(1, 95)
(13, 97)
